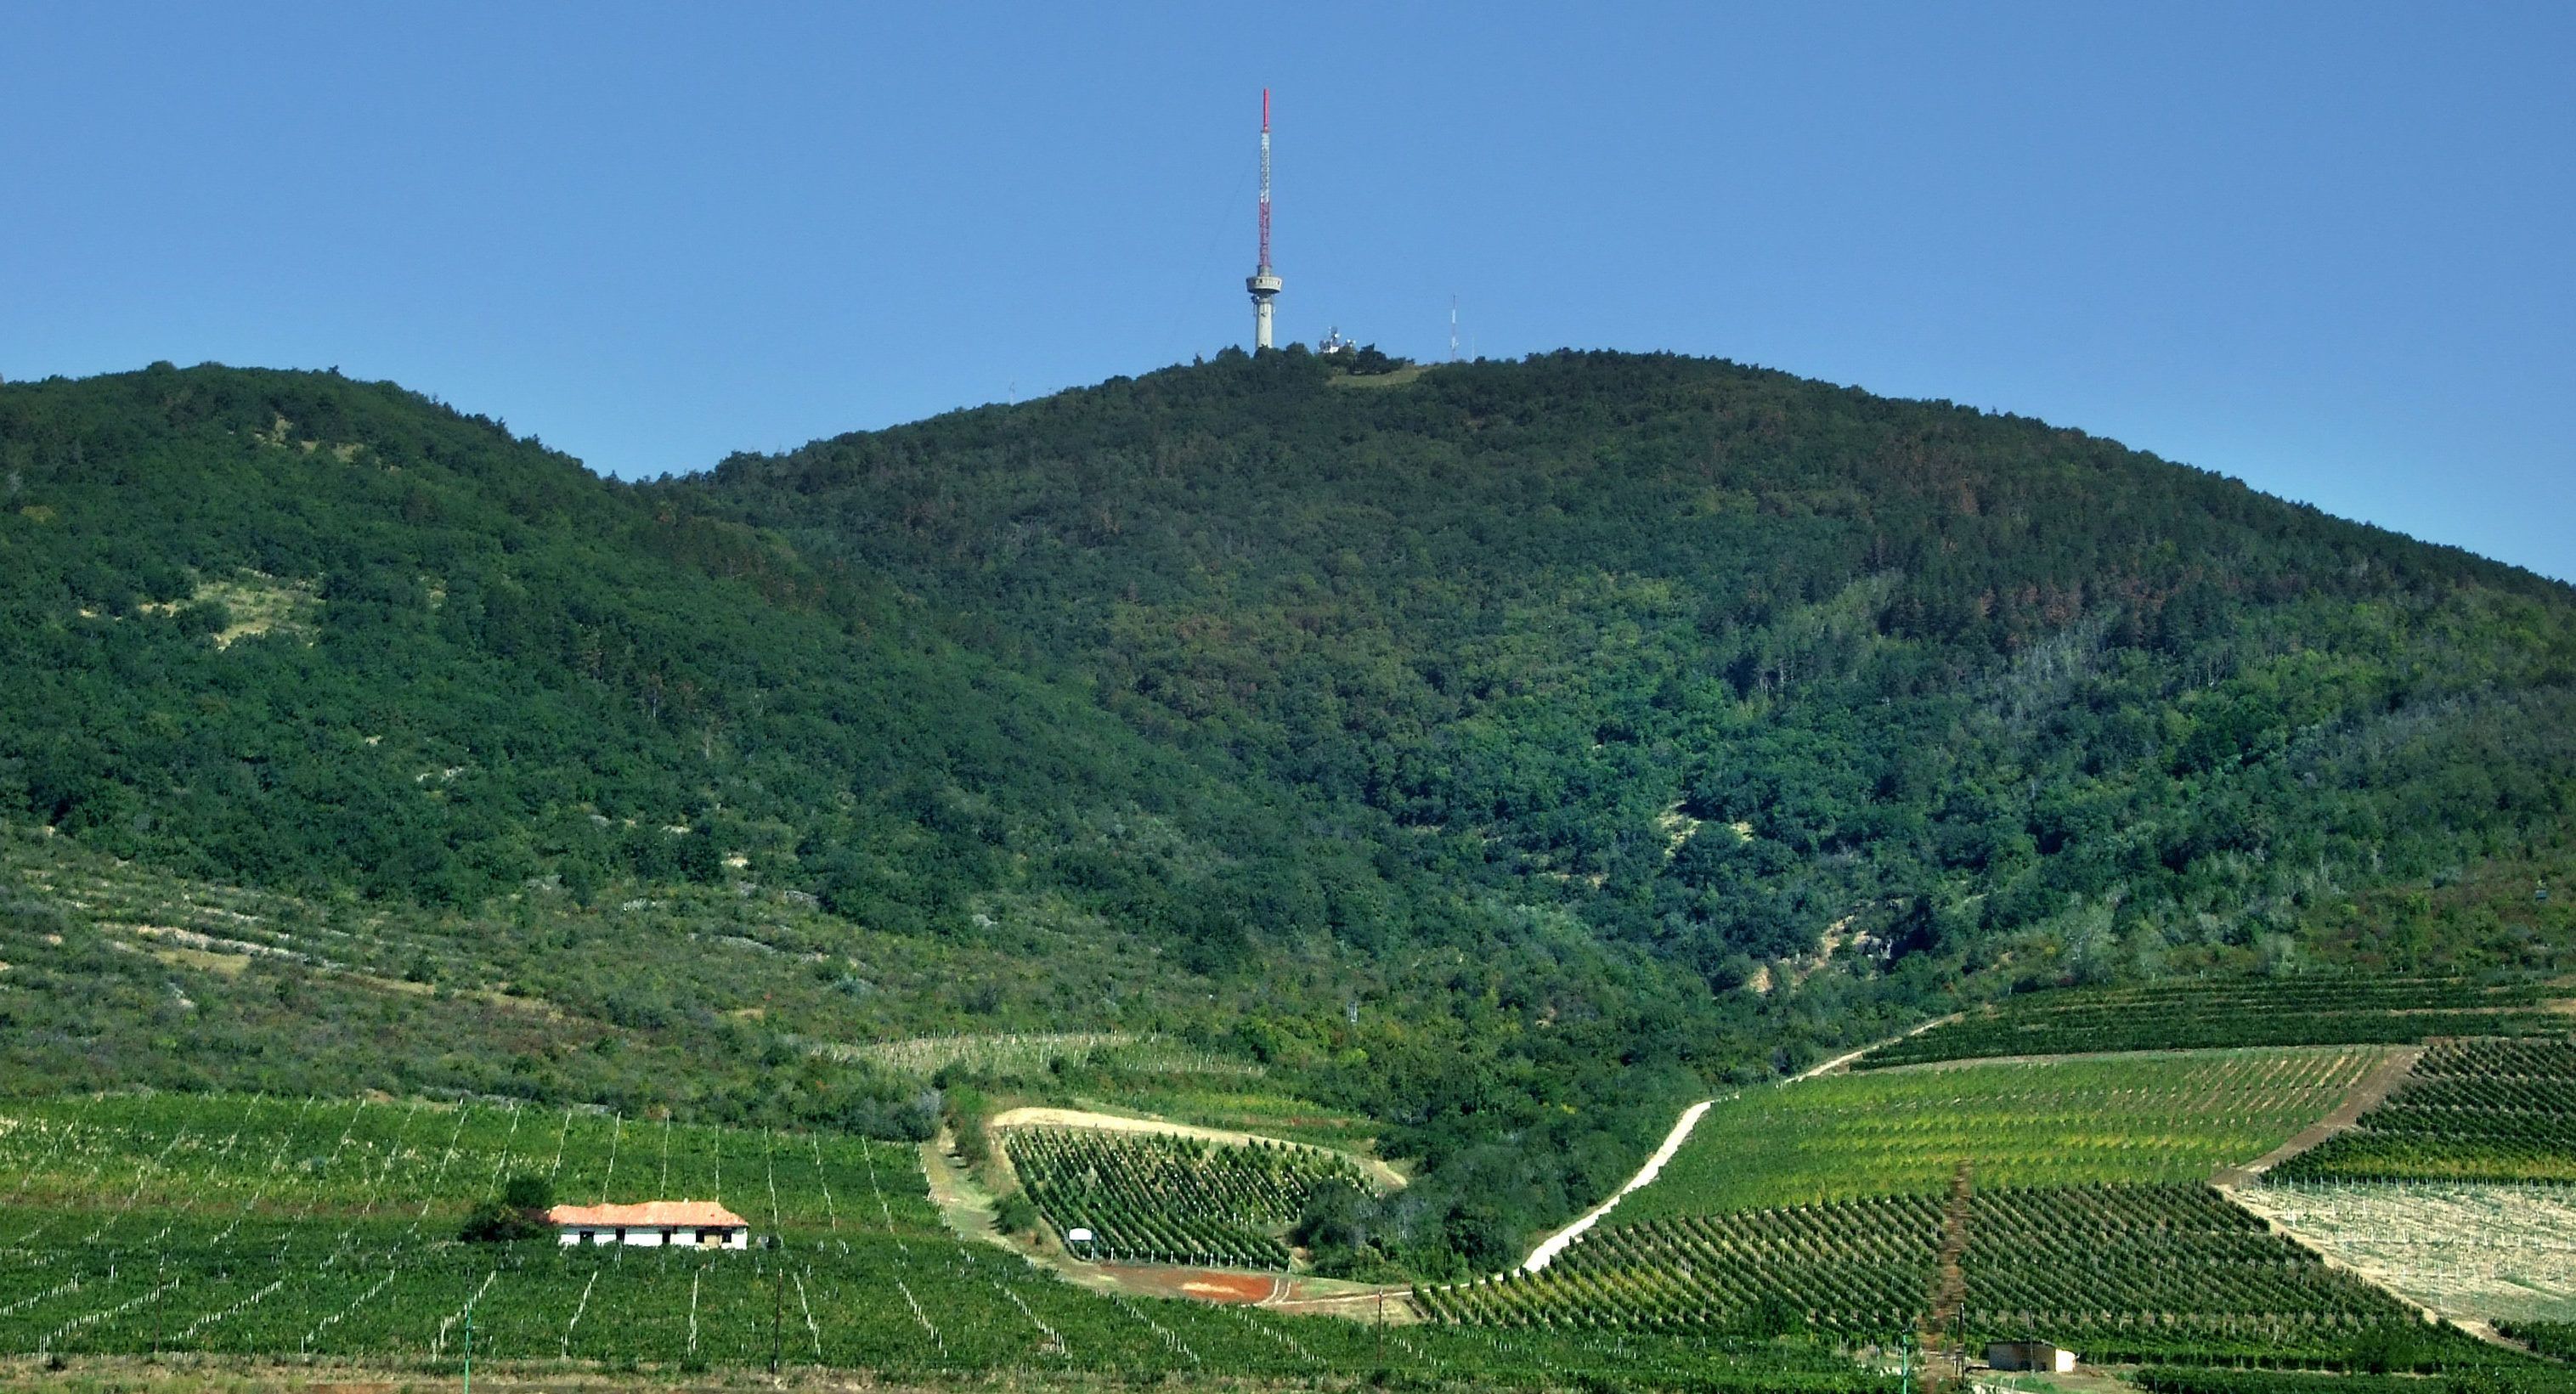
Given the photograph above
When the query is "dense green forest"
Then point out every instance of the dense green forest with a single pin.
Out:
(1506, 751)
(1728, 662)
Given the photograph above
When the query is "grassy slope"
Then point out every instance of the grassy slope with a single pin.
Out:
(2146, 1118)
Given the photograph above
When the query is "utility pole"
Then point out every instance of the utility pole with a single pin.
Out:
(469, 1348)
(777, 1302)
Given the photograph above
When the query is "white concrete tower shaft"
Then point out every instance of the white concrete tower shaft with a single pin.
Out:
(1263, 282)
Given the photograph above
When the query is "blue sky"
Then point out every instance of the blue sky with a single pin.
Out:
(2323, 248)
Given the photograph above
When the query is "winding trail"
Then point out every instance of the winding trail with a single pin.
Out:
(1556, 1243)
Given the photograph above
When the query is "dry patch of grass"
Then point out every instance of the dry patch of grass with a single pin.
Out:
(256, 602)
(1401, 377)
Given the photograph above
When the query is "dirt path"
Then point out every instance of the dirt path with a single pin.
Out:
(1554, 1244)
(2365, 1094)
(962, 1202)
(1037, 1117)
(1368, 1305)
(1847, 1057)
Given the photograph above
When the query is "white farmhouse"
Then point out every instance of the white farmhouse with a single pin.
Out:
(695, 1224)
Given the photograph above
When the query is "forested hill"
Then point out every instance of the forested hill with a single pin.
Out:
(1736, 665)
(325, 636)
(1507, 752)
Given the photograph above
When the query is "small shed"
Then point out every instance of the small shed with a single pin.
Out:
(694, 1224)
(2030, 1355)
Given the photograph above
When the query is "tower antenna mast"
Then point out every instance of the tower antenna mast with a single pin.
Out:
(1263, 282)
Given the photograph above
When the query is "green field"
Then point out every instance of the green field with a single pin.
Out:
(2479, 1110)
(2322, 1010)
(325, 1229)
(2124, 1273)
(1164, 1199)
(2147, 1118)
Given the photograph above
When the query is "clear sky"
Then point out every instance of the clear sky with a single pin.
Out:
(2325, 248)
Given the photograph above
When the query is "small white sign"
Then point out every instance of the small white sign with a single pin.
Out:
(1077, 1235)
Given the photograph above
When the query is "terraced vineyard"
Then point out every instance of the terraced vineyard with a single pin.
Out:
(2477, 1110)
(2175, 1117)
(2253, 1012)
(1165, 1199)
(300, 1228)
(2123, 1273)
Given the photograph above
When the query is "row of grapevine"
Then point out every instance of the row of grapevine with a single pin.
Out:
(2130, 1119)
(2322, 1010)
(2472, 1110)
(2501, 1373)
(2121, 1272)
(2555, 1339)
(1166, 1199)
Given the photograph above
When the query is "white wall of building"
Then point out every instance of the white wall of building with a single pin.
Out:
(641, 1237)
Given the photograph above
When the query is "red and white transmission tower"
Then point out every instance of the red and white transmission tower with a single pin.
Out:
(1263, 282)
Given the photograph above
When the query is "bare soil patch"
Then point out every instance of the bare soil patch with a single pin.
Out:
(1205, 1284)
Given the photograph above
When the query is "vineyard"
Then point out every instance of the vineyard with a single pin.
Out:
(2555, 1339)
(2476, 1110)
(2206, 1015)
(325, 1230)
(2505, 1375)
(193, 1155)
(1162, 1199)
(2122, 1273)
(2142, 1119)
(2462, 1248)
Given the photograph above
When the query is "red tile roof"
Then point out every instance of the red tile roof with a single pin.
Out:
(652, 1214)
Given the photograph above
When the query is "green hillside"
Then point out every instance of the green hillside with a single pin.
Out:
(1507, 753)
(1735, 666)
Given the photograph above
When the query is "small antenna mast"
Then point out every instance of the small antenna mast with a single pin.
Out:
(1453, 329)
